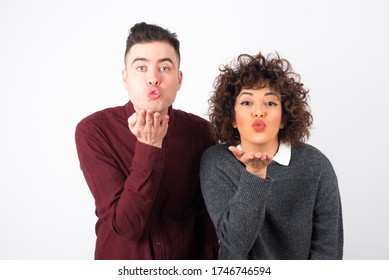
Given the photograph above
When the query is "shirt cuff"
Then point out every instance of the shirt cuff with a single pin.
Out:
(148, 156)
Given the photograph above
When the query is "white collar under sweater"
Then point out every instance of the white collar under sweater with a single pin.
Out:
(283, 155)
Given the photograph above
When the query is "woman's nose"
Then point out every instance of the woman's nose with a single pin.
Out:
(258, 112)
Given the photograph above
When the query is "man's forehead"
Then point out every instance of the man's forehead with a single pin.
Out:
(152, 51)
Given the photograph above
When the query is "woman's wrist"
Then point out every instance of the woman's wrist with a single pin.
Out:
(259, 173)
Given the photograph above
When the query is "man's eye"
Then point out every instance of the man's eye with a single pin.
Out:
(164, 68)
(141, 68)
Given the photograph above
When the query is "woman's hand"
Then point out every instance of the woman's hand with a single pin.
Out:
(255, 163)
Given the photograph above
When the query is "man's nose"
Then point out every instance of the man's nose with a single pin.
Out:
(153, 79)
(153, 82)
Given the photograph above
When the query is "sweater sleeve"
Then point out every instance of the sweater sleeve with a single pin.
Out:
(235, 199)
(327, 234)
(123, 202)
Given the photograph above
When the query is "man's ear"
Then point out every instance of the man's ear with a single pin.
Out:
(124, 77)
(179, 80)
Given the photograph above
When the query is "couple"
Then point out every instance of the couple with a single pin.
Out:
(170, 185)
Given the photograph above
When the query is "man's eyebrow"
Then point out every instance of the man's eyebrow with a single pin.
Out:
(138, 59)
(168, 59)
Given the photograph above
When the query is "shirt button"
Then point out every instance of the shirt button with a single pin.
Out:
(158, 243)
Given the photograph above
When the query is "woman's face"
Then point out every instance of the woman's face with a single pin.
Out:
(258, 118)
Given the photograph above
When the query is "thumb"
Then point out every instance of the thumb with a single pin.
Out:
(238, 153)
(132, 120)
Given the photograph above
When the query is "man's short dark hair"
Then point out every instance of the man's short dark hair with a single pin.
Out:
(148, 33)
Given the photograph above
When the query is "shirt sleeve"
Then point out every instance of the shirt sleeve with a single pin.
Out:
(236, 205)
(205, 232)
(327, 234)
(123, 202)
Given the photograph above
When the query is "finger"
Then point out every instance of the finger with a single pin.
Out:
(141, 119)
(132, 120)
(263, 156)
(250, 156)
(165, 121)
(266, 157)
(258, 155)
(237, 153)
(149, 117)
(157, 119)
(269, 157)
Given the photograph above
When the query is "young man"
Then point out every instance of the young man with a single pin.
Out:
(141, 160)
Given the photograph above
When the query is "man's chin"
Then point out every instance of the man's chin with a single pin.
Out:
(158, 108)
(154, 105)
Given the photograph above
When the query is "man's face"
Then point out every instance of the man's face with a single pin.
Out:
(152, 76)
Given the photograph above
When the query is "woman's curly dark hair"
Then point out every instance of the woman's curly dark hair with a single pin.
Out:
(254, 72)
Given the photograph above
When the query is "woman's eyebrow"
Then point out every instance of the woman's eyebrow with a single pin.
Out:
(246, 93)
(270, 93)
(276, 95)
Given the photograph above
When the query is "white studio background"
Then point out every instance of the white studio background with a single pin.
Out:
(61, 61)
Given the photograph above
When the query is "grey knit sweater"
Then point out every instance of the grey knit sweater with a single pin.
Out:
(294, 214)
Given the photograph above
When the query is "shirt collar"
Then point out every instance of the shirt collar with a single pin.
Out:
(283, 154)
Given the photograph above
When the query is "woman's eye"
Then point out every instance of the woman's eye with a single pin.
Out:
(271, 103)
(245, 103)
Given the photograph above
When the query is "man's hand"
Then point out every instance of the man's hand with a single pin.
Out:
(255, 163)
(149, 127)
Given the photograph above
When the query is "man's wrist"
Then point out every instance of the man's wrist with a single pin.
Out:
(154, 144)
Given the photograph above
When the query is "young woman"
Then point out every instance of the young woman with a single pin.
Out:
(269, 194)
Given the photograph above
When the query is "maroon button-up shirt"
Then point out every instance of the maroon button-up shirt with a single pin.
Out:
(148, 200)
